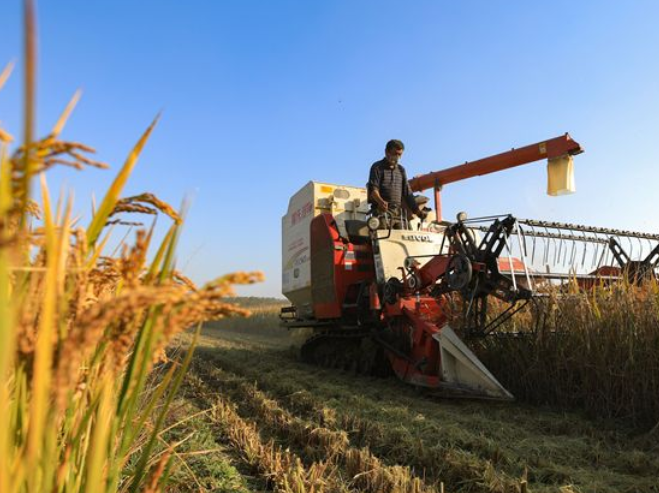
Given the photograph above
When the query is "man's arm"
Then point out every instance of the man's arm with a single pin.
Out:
(378, 200)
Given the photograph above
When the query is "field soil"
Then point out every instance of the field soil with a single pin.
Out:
(271, 422)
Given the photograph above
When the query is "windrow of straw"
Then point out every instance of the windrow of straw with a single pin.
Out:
(460, 470)
(282, 468)
(81, 331)
(597, 351)
(364, 471)
(471, 446)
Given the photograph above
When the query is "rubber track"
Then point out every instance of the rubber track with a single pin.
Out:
(347, 349)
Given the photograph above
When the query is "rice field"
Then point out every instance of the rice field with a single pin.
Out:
(111, 384)
(595, 351)
(286, 426)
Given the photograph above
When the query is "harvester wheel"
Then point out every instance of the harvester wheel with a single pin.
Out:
(458, 273)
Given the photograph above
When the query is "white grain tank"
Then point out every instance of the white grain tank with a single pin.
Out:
(343, 202)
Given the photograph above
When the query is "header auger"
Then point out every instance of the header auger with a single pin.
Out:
(379, 299)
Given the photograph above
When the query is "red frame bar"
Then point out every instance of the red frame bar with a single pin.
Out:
(438, 202)
(548, 149)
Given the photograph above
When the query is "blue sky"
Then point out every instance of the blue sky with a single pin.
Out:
(259, 97)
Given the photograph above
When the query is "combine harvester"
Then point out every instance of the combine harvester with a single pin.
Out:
(378, 299)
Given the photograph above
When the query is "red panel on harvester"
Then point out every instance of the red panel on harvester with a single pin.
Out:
(324, 237)
(338, 268)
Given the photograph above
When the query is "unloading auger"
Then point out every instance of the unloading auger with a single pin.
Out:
(380, 299)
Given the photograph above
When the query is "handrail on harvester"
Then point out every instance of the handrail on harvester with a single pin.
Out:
(548, 149)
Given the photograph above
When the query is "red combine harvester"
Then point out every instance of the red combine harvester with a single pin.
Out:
(378, 298)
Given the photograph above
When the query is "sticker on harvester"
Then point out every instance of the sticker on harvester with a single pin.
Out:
(543, 148)
(348, 266)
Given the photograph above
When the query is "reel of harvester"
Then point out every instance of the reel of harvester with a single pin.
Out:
(526, 259)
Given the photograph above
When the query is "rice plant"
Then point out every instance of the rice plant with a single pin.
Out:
(81, 330)
(596, 350)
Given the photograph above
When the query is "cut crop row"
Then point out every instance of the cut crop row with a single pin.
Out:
(281, 469)
(467, 458)
(459, 469)
(363, 471)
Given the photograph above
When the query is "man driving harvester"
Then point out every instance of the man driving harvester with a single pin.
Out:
(388, 188)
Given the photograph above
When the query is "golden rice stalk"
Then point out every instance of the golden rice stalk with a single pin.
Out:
(6, 72)
(132, 208)
(157, 473)
(133, 260)
(223, 285)
(178, 276)
(25, 166)
(121, 222)
(6, 199)
(64, 117)
(100, 435)
(37, 157)
(33, 209)
(79, 330)
(148, 198)
(48, 152)
(43, 357)
(112, 196)
(92, 325)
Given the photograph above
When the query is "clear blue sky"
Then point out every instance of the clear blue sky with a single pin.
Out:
(259, 97)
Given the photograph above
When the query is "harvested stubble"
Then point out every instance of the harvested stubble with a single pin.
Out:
(79, 332)
(460, 470)
(202, 459)
(472, 446)
(283, 469)
(597, 351)
(364, 471)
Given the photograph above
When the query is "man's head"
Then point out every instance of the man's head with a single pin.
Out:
(393, 151)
